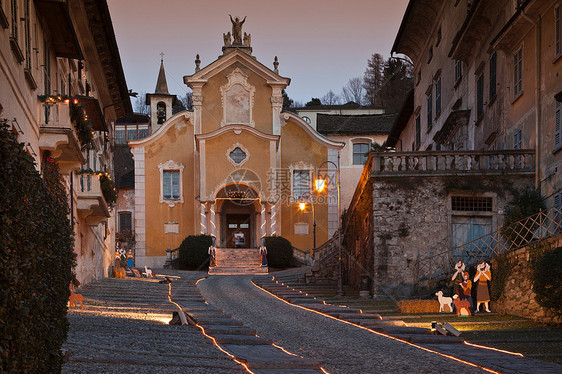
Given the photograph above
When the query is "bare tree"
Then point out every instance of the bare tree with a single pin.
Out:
(297, 104)
(330, 98)
(140, 104)
(354, 91)
(186, 100)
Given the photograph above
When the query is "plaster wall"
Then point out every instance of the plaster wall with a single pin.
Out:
(212, 110)
(299, 148)
(218, 166)
(177, 145)
(350, 173)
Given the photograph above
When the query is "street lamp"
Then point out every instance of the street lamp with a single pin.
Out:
(320, 184)
(302, 207)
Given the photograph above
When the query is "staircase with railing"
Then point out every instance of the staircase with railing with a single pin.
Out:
(438, 262)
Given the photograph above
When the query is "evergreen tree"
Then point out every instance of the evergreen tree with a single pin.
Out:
(373, 79)
(314, 102)
(287, 102)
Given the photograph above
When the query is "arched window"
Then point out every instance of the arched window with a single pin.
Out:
(161, 112)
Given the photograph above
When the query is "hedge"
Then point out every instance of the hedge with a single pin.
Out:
(279, 252)
(193, 252)
(547, 280)
(36, 261)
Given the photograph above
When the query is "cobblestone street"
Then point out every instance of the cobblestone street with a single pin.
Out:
(340, 348)
(124, 329)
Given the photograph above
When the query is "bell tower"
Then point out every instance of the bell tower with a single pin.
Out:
(160, 101)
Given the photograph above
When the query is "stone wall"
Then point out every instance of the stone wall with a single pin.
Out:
(358, 239)
(518, 298)
(410, 217)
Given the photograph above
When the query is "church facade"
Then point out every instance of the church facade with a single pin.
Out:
(235, 167)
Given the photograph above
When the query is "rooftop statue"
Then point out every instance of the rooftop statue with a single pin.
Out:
(237, 29)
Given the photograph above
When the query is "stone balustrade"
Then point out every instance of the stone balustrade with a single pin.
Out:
(453, 162)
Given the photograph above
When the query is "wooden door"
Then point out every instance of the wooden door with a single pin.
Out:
(238, 230)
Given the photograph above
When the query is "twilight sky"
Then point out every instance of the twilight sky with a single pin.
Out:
(320, 44)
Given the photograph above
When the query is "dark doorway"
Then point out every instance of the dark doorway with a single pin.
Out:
(238, 230)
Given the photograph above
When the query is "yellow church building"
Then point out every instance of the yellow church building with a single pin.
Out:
(236, 166)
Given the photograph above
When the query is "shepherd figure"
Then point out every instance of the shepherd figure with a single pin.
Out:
(483, 276)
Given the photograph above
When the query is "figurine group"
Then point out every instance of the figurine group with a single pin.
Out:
(462, 296)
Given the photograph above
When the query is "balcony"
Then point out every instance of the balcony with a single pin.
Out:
(91, 204)
(58, 135)
(448, 163)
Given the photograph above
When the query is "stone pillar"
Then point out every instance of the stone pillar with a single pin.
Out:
(196, 103)
(203, 220)
(213, 228)
(140, 204)
(263, 229)
(333, 214)
(273, 221)
(277, 106)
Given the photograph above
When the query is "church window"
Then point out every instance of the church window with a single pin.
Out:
(171, 184)
(438, 96)
(418, 132)
(518, 140)
(518, 72)
(237, 155)
(557, 125)
(132, 133)
(429, 110)
(557, 31)
(120, 135)
(161, 112)
(125, 221)
(301, 184)
(143, 131)
(480, 96)
(458, 71)
(471, 203)
(493, 70)
(360, 153)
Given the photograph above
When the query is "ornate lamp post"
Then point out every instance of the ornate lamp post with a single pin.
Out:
(302, 207)
(320, 183)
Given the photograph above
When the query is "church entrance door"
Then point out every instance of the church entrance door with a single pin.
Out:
(238, 230)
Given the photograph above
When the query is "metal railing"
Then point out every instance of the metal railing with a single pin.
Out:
(440, 260)
(452, 162)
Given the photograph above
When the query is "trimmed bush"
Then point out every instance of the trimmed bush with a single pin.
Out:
(36, 260)
(279, 252)
(194, 251)
(547, 280)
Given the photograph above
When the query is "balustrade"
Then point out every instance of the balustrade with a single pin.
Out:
(453, 162)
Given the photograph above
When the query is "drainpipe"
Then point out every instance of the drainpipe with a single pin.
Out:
(538, 107)
(72, 201)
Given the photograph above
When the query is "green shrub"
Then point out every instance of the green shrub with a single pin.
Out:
(194, 251)
(524, 204)
(547, 280)
(500, 273)
(279, 252)
(36, 260)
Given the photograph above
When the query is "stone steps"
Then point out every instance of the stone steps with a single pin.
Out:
(237, 261)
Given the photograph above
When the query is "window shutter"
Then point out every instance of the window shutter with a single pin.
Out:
(557, 125)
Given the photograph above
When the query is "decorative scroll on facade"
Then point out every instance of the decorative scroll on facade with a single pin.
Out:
(237, 97)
